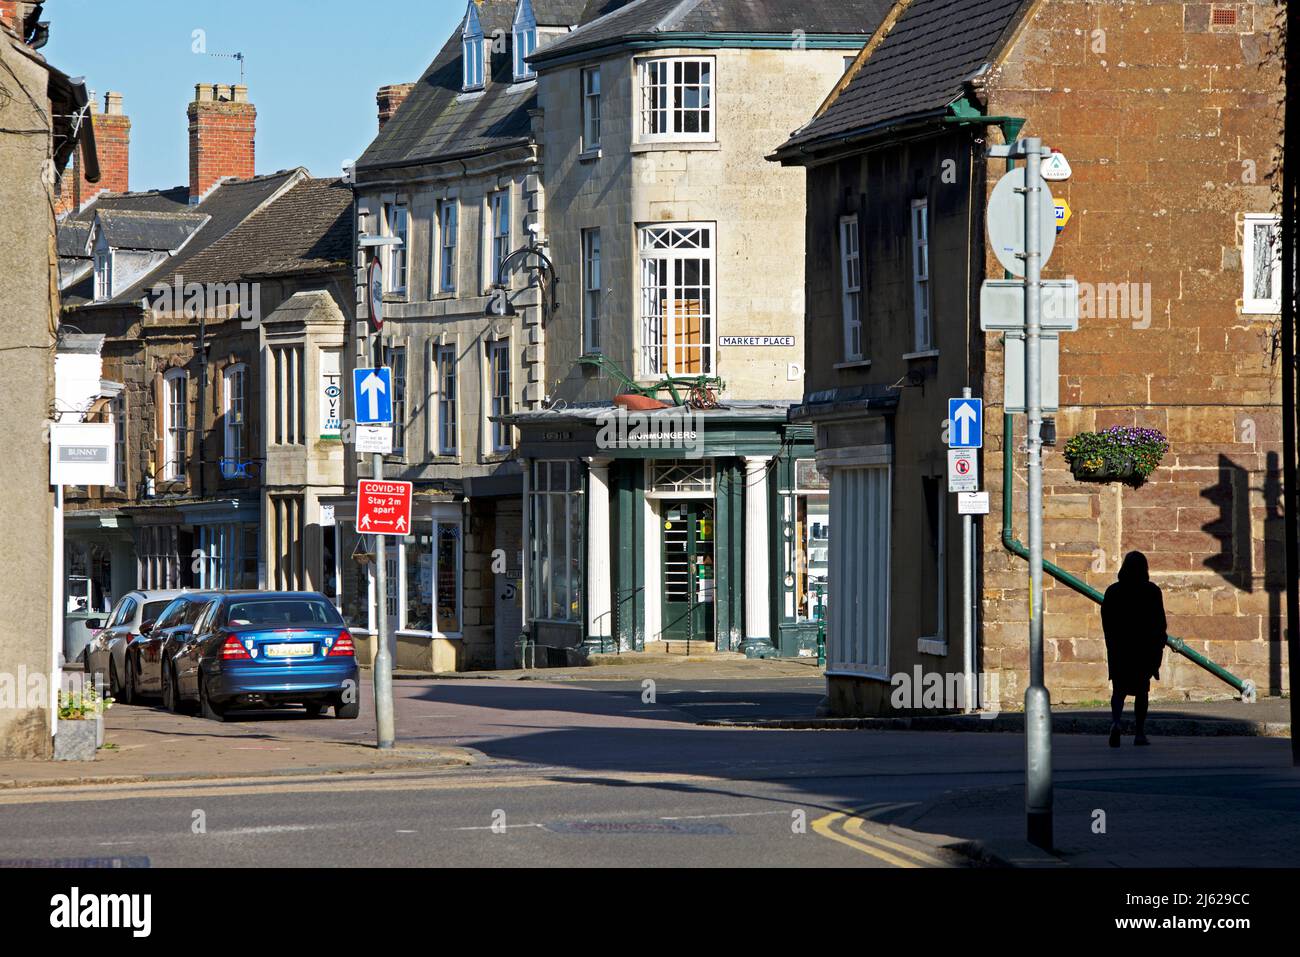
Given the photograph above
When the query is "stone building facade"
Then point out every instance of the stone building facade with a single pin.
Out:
(673, 235)
(37, 140)
(1168, 115)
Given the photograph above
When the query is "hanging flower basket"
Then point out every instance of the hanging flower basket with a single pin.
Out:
(1119, 454)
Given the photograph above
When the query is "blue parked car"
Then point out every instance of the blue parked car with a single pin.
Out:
(264, 649)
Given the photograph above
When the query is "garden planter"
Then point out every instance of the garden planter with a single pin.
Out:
(639, 403)
(1116, 470)
(75, 739)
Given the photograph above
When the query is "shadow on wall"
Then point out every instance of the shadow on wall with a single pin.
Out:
(1236, 559)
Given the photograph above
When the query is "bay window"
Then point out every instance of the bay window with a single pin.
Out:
(676, 99)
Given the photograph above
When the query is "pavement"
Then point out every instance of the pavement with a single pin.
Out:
(149, 744)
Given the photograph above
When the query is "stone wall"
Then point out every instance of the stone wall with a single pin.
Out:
(1170, 123)
(757, 206)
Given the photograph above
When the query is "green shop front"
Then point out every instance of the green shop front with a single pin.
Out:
(674, 525)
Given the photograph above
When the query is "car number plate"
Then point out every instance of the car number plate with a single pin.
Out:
(298, 650)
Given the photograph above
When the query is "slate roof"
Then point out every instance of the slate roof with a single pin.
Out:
(225, 207)
(916, 71)
(309, 228)
(438, 122)
(134, 229)
(611, 21)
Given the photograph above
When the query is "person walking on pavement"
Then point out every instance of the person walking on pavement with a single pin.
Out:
(1133, 621)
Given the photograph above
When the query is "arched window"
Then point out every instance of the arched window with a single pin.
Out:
(472, 50)
(525, 40)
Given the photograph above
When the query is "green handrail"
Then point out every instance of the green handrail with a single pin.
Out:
(1245, 687)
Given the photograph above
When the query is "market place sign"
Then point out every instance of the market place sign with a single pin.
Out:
(780, 341)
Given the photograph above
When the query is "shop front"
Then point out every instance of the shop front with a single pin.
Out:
(700, 527)
(424, 604)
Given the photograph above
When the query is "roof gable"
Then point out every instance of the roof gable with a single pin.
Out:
(914, 68)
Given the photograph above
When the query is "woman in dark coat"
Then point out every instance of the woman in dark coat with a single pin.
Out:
(1133, 619)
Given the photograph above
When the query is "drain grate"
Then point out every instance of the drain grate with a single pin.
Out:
(636, 827)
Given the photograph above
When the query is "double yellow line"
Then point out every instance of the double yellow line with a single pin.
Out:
(850, 829)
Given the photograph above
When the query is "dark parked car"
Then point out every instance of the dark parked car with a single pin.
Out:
(134, 614)
(264, 649)
(144, 653)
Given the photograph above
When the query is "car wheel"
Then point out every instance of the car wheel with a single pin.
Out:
(343, 709)
(212, 712)
(114, 685)
(169, 698)
(128, 686)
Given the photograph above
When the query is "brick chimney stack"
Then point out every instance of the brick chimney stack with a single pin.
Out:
(390, 98)
(113, 146)
(223, 125)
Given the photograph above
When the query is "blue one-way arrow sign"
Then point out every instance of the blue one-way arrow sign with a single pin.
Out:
(965, 423)
(372, 392)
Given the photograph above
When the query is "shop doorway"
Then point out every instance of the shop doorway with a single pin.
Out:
(688, 570)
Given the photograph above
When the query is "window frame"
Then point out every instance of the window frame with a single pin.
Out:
(117, 409)
(473, 52)
(498, 202)
(445, 420)
(922, 314)
(396, 256)
(448, 257)
(1252, 305)
(103, 265)
(591, 103)
(500, 436)
(394, 349)
(174, 464)
(542, 500)
(592, 295)
(240, 370)
(646, 83)
(670, 256)
(851, 292)
(523, 41)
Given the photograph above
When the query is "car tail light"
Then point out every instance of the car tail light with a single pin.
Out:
(233, 649)
(342, 645)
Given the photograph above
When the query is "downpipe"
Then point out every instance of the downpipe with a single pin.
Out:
(1245, 687)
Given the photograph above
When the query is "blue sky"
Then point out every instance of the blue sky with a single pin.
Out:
(312, 68)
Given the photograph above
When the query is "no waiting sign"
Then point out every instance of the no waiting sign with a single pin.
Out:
(384, 508)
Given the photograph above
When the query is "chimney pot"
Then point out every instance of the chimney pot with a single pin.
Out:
(112, 104)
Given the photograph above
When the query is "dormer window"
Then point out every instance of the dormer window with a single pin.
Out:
(103, 268)
(472, 50)
(525, 40)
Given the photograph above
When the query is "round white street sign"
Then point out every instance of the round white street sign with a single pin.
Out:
(1006, 221)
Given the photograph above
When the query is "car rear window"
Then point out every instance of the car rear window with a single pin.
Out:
(283, 613)
(153, 609)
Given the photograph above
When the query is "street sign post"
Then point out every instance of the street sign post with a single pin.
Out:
(965, 423)
(372, 394)
(384, 507)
